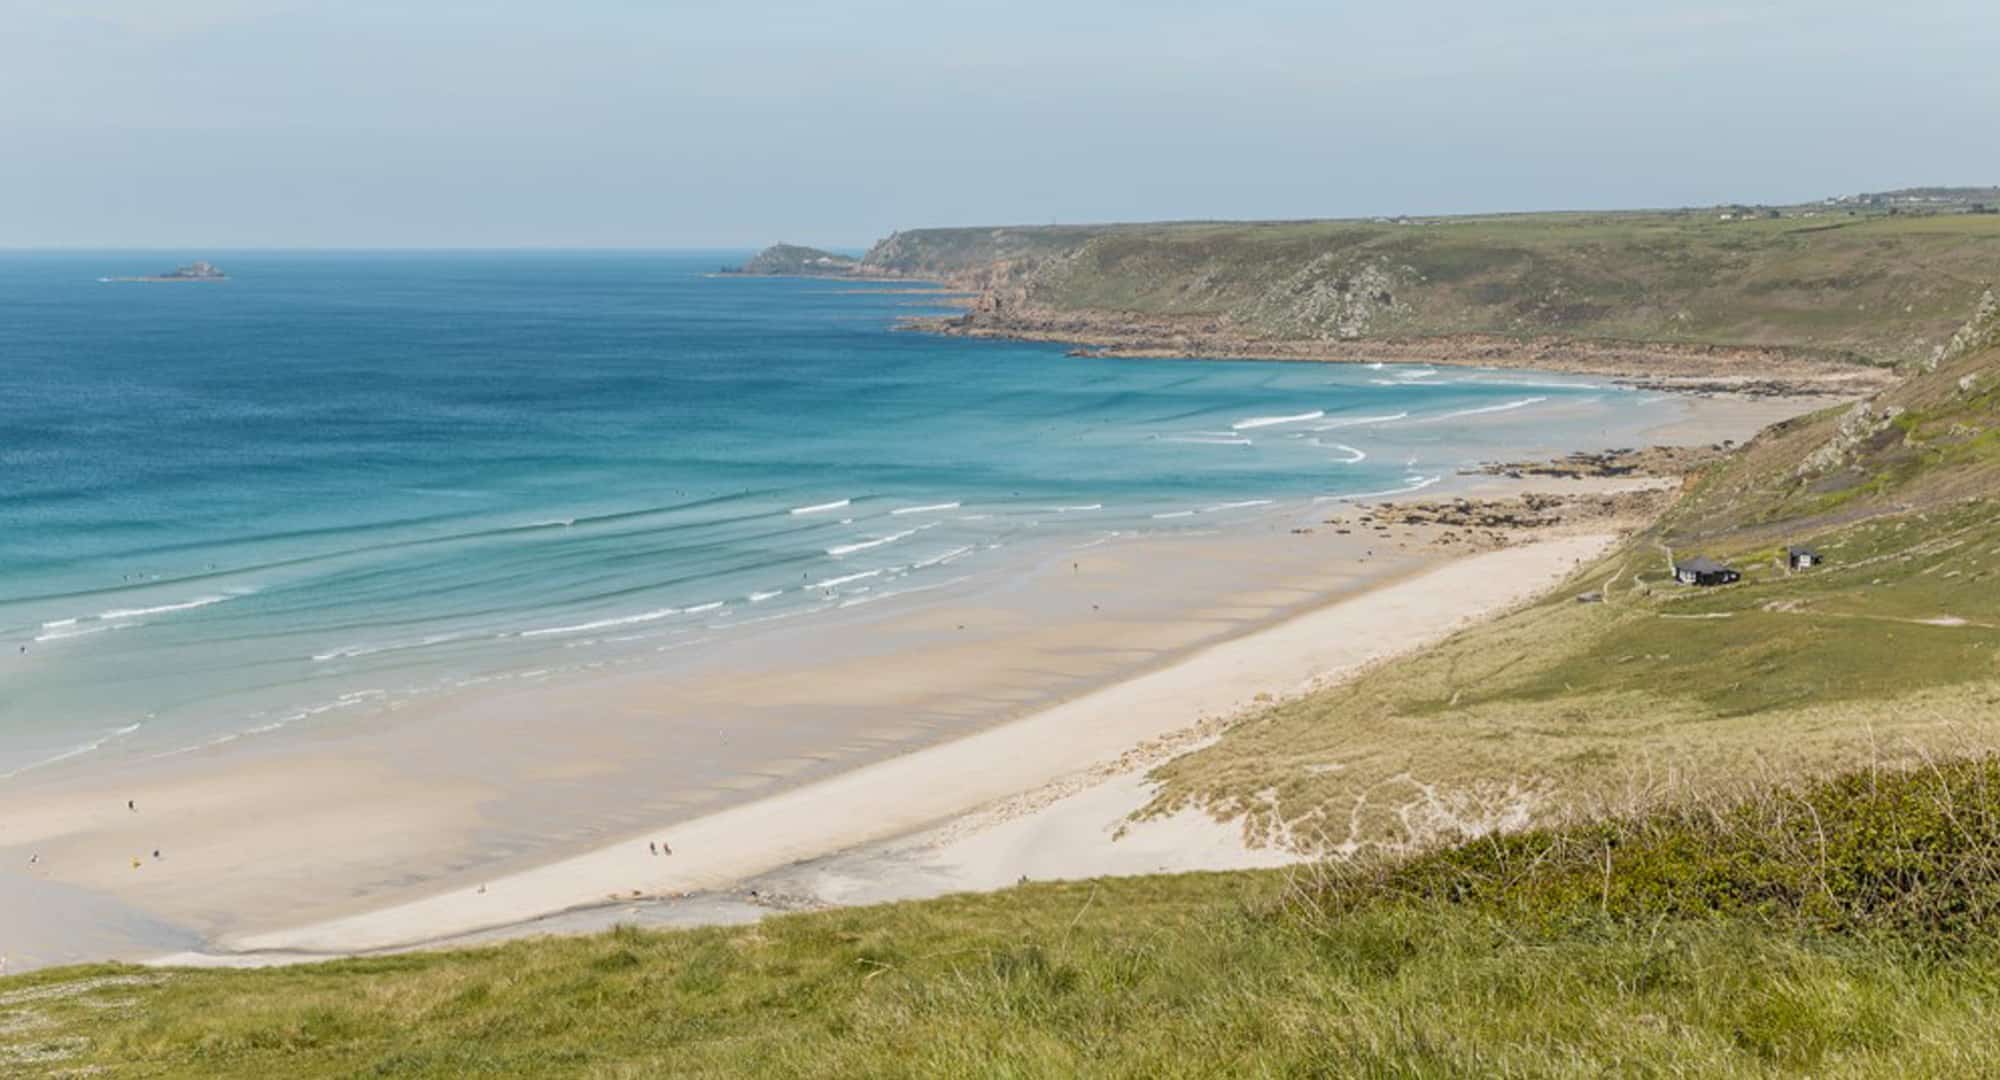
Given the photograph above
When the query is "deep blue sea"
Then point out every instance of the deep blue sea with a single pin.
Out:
(230, 507)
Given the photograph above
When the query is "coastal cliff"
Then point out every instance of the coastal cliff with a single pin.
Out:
(1692, 293)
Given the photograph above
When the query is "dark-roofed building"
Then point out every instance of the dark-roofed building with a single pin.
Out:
(1802, 558)
(1702, 570)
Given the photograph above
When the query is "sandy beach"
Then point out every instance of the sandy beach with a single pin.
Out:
(979, 736)
(893, 798)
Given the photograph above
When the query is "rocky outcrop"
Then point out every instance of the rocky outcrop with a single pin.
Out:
(1332, 297)
(1655, 461)
(1982, 331)
(1860, 425)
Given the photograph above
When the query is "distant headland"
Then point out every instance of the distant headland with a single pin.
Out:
(194, 271)
(791, 260)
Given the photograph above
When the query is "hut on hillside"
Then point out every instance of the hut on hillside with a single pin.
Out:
(1702, 570)
(1799, 557)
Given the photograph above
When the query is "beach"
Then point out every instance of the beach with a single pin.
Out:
(1069, 836)
(961, 739)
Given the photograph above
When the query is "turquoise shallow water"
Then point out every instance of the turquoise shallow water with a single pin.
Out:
(228, 508)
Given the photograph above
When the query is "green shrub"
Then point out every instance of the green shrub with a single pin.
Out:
(1914, 854)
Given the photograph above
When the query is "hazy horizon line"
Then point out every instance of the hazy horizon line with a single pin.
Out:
(863, 247)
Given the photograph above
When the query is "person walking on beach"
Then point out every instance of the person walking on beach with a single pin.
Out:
(652, 847)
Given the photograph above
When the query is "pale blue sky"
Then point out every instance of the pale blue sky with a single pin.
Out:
(210, 124)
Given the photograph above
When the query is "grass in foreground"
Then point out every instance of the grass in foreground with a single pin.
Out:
(1839, 929)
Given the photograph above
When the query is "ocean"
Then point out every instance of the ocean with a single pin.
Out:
(336, 482)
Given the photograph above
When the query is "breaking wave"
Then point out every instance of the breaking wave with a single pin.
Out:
(600, 624)
(1483, 409)
(1272, 421)
(820, 508)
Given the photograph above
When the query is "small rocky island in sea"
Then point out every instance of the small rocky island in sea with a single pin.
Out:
(194, 271)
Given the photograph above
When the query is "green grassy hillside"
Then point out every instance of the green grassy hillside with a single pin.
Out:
(1872, 287)
(1839, 929)
(1928, 441)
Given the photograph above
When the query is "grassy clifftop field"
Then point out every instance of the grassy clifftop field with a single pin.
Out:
(1870, 288)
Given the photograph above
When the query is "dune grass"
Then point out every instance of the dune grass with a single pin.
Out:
(1838, 929)
(1889, 651)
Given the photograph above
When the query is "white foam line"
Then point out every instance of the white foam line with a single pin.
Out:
(760, 597)
(1359, 420)
(74, 632)
(1483, 409)
(1535, 385)
(1175, 514)
(74, 751)
(699, 608)
(133, 613)
(1207, 441)
(1418, 484)
(1076, 509)
(864, 545)
(931, 509)
(818, 508)
(1269, 421)
(623, 620)
(1245, 504)
(892, 593)
(1354, 456)
(831, 582)
(940, 560)
(349, 651)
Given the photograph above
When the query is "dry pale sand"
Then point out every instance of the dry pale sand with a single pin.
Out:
(1071, 835)
(1709, 420)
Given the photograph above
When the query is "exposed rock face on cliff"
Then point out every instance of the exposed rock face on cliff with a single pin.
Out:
(1982, 331)
(1867, 420)
(1333, 297)
(791, 259)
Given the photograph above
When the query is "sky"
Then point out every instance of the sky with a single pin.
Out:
(202, 125)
